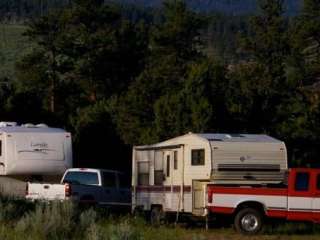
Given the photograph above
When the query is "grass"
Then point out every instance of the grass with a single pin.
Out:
(20, 220)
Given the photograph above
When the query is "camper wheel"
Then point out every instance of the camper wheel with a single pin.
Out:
(157, 216)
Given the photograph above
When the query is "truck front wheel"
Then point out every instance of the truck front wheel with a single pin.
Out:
(248, 221)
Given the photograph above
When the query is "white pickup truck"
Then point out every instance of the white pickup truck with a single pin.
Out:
(96, 186)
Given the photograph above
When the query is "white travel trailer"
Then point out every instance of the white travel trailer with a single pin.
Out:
(32, 152)
(172, 175)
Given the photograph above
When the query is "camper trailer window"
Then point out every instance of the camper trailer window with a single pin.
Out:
(197, 157)
(168, 166)
(143, 173)
(175, 160)
(158, 177)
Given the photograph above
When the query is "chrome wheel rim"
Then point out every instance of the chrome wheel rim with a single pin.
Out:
(249, 222)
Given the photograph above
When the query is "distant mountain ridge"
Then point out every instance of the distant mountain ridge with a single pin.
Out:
(234, 7)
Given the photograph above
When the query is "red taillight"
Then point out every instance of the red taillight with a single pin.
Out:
(67, 190)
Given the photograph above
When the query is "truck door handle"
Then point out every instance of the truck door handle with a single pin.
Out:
(46, 186)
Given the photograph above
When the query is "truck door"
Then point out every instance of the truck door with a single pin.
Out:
(110, 194)
(316, 197)
(300, 195)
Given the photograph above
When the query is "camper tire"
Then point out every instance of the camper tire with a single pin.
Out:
(157, 216)
(248, 221)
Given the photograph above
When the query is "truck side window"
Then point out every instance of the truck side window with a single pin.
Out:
(302, 181)
(124, 180)
(109, 179)
(197, 157)
(318, 182)
(85, 178)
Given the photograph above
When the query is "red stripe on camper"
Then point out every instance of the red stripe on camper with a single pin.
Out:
(162, 188)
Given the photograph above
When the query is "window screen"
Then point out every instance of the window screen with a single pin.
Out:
(158, 168)
(168, 165)
(143, 173)
(175, 160)
(302, 181)
(197, 157)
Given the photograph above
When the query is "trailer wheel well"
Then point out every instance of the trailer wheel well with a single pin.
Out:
(251, 204)
(159, 206)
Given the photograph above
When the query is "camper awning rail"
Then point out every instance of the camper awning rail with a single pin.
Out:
(158, 148)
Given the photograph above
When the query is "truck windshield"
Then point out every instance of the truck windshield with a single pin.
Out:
(84, 178)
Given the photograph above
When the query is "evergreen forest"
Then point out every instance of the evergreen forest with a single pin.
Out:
(118, 75)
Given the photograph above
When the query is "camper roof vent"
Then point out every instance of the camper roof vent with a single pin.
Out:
(41, 125)
(28, 125)
(8, 124)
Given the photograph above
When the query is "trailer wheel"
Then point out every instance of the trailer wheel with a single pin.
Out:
(248, 221)
(157, 216)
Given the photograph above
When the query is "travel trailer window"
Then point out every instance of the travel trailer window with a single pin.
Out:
(168, 165)
(109, 179)
(175, 160)
(158, 168)
(143, 173)
(197, 157)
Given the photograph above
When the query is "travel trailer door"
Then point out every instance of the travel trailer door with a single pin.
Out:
(1, 155)
(168, 186)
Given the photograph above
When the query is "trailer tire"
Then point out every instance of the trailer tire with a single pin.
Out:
(248, 221)
(157, 216)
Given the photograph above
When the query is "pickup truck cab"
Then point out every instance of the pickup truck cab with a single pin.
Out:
(97, 186)
(299, 200)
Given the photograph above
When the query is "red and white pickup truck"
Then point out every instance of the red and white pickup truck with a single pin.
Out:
(249, 205)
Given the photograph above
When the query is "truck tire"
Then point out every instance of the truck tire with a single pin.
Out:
(248, 221)
(157, 216)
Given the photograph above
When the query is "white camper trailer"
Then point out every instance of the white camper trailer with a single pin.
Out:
(172, 175)
(30, 152)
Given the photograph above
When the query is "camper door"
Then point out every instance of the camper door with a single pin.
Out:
(2, 162)
(168, 183)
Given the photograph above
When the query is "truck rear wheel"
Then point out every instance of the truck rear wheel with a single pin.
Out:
(248, 221)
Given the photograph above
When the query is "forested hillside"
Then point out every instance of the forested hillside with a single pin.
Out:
(14, 10)
(120, 75)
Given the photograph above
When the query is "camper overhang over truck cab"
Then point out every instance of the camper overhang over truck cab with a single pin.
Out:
(173, 175)
(34, 149)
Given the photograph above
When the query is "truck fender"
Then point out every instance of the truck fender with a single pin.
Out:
(259, 206)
